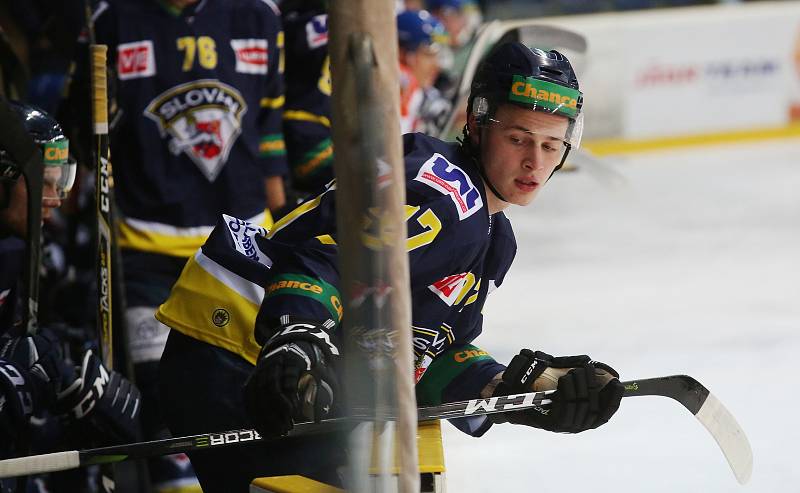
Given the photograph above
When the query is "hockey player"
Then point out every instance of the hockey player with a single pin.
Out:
(451, 14)
(307, 112)
(199, 91)
(420, 40)
(264, 308)
(59, 176)
(34, 375)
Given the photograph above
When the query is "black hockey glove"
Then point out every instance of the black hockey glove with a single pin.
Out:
(294, 380)
(586, 396)
(101, 401)
(31, 372)
(41, 359)
(16, 403)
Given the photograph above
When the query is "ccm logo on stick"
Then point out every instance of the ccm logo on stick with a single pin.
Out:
(230, 437)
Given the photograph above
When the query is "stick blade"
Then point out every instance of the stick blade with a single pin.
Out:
(729, 436)
(695, 397)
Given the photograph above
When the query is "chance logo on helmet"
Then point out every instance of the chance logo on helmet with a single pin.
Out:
(552, 97)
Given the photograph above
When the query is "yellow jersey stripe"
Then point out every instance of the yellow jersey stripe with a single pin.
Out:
(306, 117)
(272, 103)
(271, 145)
(165, 239)
(297, 212)
(148, 241)
(310, 165)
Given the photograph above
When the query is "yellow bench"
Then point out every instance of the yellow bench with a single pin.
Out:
(431, 466)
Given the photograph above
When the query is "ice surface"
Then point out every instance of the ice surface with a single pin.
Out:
(677, 262)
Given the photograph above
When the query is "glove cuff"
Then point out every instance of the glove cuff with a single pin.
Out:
(522, 371)
(14, 381)
(292, 329)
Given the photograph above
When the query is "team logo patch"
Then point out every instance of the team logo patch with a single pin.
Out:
(317, 31)
(448, 288)
(136, 60)
(243, 234)
(202, 119)
(439, 173)
(427, 344)
(251, 55)
(421, 367)
(221, 317)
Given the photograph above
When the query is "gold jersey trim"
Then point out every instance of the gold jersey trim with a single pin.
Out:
(214, 305)
(165, 239)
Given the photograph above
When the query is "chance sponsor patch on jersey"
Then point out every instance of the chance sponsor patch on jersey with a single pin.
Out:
(243, 234)
(439, 173)
(136, 60)
(251, 55)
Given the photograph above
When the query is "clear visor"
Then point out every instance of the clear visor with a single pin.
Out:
(59, 179)
(571, 135)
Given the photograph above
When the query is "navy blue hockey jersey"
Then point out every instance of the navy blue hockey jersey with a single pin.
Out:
(12, 264)
(306, 116)
(458, 253)
(200, 97)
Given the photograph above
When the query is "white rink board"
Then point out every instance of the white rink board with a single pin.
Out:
(686, 262)
(697, 70)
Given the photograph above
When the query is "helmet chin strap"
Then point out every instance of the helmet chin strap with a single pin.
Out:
(563, 160)
(475, 154)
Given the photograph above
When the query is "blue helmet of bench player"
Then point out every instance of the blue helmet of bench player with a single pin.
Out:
(59, 167)
(433, 5)
(416, 28)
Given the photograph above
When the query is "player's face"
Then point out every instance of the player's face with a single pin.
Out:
(424, 63)
(14, 218)
(520, 150)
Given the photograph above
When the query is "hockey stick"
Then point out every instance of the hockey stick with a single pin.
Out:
(709, 411)
(103, 202)
(684, 389)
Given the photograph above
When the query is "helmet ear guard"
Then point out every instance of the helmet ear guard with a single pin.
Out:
(480, 110)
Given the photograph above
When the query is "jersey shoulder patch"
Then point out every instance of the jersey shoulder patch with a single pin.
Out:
(136, 60)
(442, 175)
(252, 55)
(317, 31)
